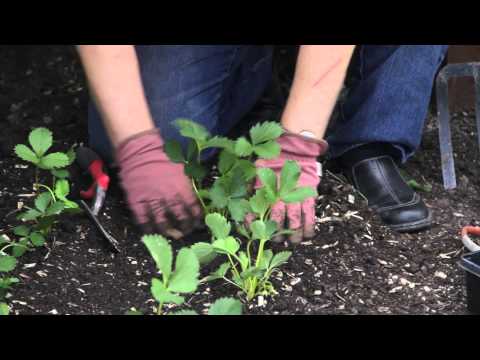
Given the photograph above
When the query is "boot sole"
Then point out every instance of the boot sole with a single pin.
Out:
(413, 226)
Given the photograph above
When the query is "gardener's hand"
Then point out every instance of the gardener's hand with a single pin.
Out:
(305, 151)
(158, 192)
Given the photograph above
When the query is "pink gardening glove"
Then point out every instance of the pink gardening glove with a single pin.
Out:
(158, 192)
(305, 151)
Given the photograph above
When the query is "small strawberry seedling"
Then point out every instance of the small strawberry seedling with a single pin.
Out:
(184, 279)
(228, 201)
(7, 264)
(48, 204)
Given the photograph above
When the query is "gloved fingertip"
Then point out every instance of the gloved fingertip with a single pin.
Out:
(309, 219)
(296, 238)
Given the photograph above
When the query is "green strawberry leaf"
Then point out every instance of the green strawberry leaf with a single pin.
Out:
(218, 196)
(162, 295)
(185, 277)
(259, 203)
(218, 225)
(270, 228)
(26, 154)
(242, 230)
(238, 209)
(243, 259)
(266, 131)
(259, 230)
(62, 189)
(195, 170)
(266, 259)
(71, 207)
(60, 174)
(234, 184)
(252, 272)
(4, 309)
(227, 245)
(226, 307)
(204, 252)
(161, 252)
(299, 195)
(289, 177)
(134, 313)
(226, 161)
(4, 240)
(20, 248)
(40, 140)
(192, 151)
(37, 239)
(54, 161)
(243, 148)
(45, 222)
(249, 171)
(6, 283)
(7, 263)
(220, 142)
(269, 150)
(220, 273)
(174, 151)
(280, 259)
(184, 313)
(71, 155)
(43, 201)
(55, 209)
(29, 215)
(21, 230)
(192, 130)
(269, 180)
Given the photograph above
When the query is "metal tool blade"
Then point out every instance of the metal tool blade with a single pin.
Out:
(112, 241)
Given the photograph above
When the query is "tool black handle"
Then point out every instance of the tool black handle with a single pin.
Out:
(85, 157)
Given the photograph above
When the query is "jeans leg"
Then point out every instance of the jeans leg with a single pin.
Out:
(389, 101)
(214, 85)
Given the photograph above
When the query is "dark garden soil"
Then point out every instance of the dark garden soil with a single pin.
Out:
(354, 266)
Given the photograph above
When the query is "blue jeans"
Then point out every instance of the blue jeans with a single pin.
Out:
(389, 100)
(216, 85)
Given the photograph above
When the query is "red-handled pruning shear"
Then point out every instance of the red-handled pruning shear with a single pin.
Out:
(91, 163)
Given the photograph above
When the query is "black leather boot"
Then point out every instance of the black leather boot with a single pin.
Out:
(374, 173)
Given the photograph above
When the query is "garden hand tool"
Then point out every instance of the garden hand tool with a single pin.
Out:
(446, 149)
(91, 163)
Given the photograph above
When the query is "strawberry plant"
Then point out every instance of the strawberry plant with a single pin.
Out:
(184, 279)
(50, 201)
(7, 264)
(229, 200)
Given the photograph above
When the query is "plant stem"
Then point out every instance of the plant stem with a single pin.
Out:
(36, 181)
(249, 254)
(11, 245)
(159, 309)
(234, 268)
(260, 252)
(49, 190)
(198, 196)
(232, 283)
